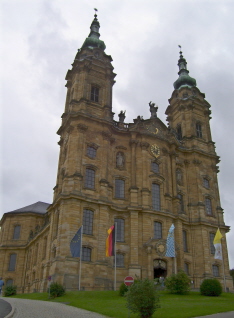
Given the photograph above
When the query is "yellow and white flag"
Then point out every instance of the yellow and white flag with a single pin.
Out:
(217, 245)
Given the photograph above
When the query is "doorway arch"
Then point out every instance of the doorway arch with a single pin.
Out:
(160, 268)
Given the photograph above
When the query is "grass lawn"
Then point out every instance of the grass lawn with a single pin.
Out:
(109, 303)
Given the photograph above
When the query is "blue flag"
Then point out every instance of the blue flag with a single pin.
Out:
(75, 245)
(171, 242)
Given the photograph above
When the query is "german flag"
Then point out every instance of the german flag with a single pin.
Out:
(110, 242)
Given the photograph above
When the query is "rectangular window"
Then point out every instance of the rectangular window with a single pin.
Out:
(199, 130)
(86, 254)
(179, 132)
(88, 222)
(215, 270)
(156, 196)
(155, 167)
(208, 206)
(119, 260)
(186, 268)
(90, 178)
(120, 230)
(212, 248)
(12, 263)
(91, 152)
(181, 202)
(119, 188)
(16, 234)
(95, 94)
(157, 230)
(185, 242)
(206, 183)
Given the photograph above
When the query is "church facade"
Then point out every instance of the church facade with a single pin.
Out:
(143, 176)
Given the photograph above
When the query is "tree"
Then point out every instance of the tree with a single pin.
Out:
(178, 283)
(143, 298)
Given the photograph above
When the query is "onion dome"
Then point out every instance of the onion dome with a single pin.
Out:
(184, 78)
(92, 40)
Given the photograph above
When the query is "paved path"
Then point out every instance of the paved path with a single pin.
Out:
(25, 308)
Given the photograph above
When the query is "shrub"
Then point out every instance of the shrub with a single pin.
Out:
(211, 287)
(178, 283)
(56, 290)
(142, 298)
(10, 291)
(123, 289)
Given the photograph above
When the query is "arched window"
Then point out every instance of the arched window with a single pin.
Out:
(90, 178)
(16, 234)
(156, 196)
(199, 130)
(12, 262)
(86, 254)
(120, 230)
(215, 270)
(212, 248)
(119, 188)
(88, 222)
(208, 206)
(157, 230)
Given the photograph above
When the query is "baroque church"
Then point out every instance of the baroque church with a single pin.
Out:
(144, 176)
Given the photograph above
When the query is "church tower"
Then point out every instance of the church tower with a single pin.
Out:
(142, 176)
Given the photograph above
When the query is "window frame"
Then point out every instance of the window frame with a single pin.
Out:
(208, 206)
(95, 93)
(120, 229)
(91, 152)
(156, 199)
(88, 216)
(12, 262)
(119, 188)
(86, 254)
(119, 260)
(215, 270)
(198, 130)
(156, 164)
(212, 247)
(158, 230)
(90, 178)
(16, 232)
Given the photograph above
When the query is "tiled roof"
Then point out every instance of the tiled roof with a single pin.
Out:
(38, 207)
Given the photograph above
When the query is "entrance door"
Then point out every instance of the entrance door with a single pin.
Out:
(160, 268)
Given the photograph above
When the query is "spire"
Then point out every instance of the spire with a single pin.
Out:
(184, 78)
(92, 40)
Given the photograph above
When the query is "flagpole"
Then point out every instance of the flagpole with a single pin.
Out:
(115, 255)
(80, 254)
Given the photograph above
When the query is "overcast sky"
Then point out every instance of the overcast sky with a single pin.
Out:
(39, 40)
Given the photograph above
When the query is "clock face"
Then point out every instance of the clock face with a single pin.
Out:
(152, 129)
(155, 150)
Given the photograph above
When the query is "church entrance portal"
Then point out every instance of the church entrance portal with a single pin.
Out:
(160, 268)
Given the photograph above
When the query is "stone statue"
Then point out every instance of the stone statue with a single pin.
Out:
(153, 110)
(119, 159)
